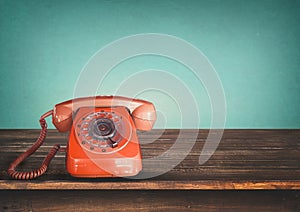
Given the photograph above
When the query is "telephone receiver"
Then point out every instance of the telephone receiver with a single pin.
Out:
(143, 112)
(103, 138)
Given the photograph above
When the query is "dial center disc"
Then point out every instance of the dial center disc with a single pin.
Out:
(103, 127)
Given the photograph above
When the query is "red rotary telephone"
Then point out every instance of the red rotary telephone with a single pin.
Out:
(102, 140)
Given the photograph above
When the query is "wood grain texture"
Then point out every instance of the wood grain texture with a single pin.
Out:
(245, 159)
(104, 200)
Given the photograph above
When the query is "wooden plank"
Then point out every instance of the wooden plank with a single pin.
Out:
(147, 184)
(140, 200)
(245, 159)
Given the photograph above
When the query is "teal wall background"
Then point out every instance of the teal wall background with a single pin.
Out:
(253, 45)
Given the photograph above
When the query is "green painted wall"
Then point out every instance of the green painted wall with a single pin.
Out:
(253, 45)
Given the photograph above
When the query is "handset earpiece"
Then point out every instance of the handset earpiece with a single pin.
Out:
(62, 117)
(144, 116)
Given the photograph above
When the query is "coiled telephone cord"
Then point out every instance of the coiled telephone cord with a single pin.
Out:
(20, 175)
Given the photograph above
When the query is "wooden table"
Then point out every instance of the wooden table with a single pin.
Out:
(250, 170)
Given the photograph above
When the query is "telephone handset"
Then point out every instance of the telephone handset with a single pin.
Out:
(102, 137)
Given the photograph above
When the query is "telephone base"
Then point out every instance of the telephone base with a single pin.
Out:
(117, 167)
(103, 143)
